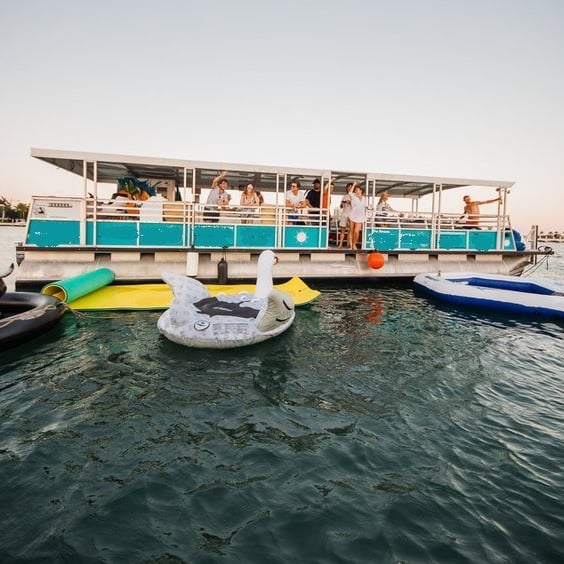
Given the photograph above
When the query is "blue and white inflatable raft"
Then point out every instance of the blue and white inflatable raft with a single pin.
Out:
(510, 294)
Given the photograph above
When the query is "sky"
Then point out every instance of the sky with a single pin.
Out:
(455, 88)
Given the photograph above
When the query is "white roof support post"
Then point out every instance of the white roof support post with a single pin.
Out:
(501, 215)
(192, 209)
(280, 229)
(95, 177)
(82, 227)
(371, 204)
(85, 178)
(434, 218)
(95, 203)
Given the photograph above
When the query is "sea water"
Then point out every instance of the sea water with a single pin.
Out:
(380, 428)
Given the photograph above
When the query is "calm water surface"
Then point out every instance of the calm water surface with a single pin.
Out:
(379, 428)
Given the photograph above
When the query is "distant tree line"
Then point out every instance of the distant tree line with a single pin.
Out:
(10, 212)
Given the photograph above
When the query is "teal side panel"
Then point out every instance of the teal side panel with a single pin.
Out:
(214, 235)
(452, 240)
(382, 239)
(112, 233)
(52, 232)
(412, 239)
(304, 237)
(263, 236)
(509, 242)
(482, 240)
(160, 234)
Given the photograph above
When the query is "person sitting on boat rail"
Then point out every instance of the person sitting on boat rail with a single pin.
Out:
(216, 196)
(471, 216)
(295, 201)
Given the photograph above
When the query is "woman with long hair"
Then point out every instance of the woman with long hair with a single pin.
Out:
(356, 216)
(249, 202)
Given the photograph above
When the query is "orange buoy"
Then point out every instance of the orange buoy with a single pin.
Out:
(376, 260)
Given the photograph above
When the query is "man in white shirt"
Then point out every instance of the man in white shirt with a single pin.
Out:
(294, 201)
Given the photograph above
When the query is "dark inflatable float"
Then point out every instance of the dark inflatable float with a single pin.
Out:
(24, 315)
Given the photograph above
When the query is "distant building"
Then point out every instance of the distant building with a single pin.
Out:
(551, 237)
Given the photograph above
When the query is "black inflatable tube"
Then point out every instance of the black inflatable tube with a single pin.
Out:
(26, 315)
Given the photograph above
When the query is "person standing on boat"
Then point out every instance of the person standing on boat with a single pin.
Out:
(216, 196)
(318, 199)
(295, 202)
(345, 211)
(472, 212)
(249, 203)
(326, 196)
(313, 201)
(357, 216)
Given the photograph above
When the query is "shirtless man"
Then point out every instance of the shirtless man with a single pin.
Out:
(472, 210)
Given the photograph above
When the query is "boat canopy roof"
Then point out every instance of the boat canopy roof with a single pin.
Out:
(107, 168)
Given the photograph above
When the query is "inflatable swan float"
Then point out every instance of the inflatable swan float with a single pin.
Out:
(196, 319)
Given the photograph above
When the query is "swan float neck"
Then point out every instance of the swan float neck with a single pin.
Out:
(266, 261)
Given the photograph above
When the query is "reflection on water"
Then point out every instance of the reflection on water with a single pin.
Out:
(380, 428)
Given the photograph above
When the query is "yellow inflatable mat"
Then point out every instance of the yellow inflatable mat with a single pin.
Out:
(159, 296)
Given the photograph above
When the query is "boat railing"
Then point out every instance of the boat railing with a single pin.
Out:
(161, 210)
(199, 213)
(150, 210)
(179, 223)
(427, 220)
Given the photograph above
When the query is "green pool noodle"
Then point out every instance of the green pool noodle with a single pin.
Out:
(80, 285)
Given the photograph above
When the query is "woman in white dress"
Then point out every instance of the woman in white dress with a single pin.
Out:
(345, 211)
(357, 215)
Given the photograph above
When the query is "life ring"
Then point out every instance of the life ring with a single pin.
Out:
(29, 315)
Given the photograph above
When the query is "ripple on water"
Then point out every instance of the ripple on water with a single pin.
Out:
(378, 428)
